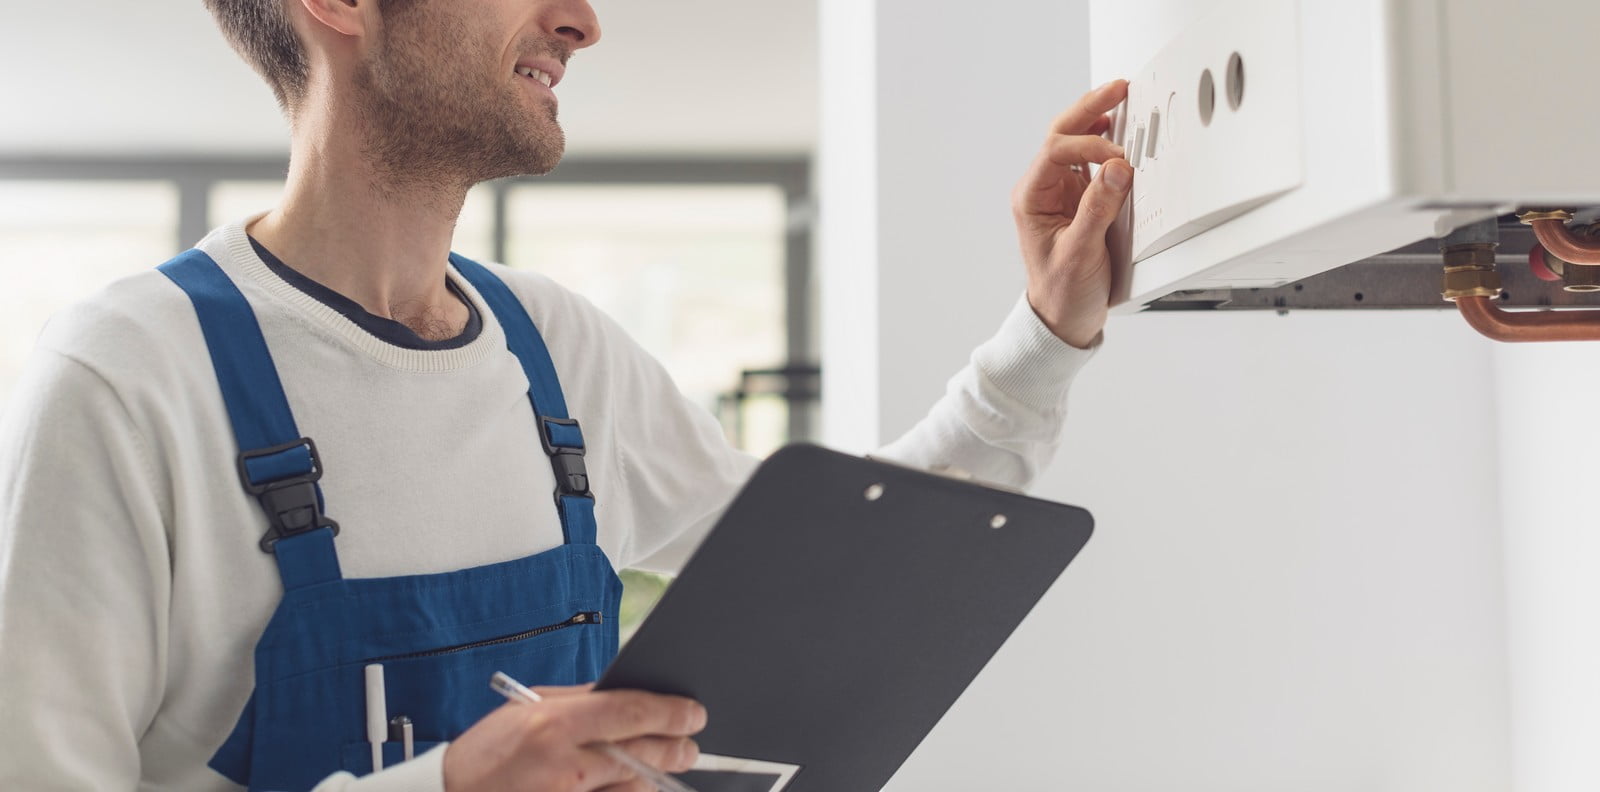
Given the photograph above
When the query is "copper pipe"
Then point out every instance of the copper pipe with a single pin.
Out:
(1559, 241)
(1514, 326)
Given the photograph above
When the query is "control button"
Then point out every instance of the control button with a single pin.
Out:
(1155, 133)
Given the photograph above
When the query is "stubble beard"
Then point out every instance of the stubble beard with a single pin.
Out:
(431, 119)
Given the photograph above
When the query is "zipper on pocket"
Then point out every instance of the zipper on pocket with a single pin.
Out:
(580, 618)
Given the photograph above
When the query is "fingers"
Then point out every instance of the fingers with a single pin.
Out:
(672, 754)
(1066, 150)
(1065, 162)
(1102, 200)
(617, 715)
(1081, 117)
(559, 692)
(550, 745)
(1055, 181)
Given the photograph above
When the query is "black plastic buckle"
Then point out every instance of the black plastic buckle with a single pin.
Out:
(572, 473)
(290, 503)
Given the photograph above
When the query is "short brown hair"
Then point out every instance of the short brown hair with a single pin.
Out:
(260, 31)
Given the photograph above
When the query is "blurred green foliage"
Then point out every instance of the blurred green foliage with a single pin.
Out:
(640, 593)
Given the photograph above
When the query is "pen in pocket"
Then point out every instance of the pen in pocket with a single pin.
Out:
(400, 732)
(377, 714)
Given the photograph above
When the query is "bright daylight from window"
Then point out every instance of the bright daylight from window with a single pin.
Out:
(64, 240)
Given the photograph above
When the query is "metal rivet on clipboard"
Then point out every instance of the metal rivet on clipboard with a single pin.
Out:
(874, 492)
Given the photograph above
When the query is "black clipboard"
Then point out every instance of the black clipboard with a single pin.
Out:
(837, 610)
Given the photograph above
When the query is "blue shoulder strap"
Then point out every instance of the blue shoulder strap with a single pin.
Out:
(560, 435)
(275, 463)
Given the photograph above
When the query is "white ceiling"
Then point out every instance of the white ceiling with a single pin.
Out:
(697, 77)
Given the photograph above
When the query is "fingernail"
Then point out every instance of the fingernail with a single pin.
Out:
(1117, 147)
(1118, 175)
(700, 717)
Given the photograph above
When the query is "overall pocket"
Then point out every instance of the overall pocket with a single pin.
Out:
(357, 757)
(577, 620)
(445, 689)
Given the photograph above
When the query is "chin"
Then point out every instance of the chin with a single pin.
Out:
(539, 163)
(545, 153)
(532, 154)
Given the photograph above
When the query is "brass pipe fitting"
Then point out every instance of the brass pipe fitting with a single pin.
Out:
(1533, 215)
(1577, 279)
(1469, 271)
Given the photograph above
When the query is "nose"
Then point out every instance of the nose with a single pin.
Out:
(575, 21)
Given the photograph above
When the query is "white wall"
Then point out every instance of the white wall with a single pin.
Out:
(929, 117)
(1296, 579)
(1547, 441)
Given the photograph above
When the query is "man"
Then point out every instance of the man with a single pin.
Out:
(146, 640)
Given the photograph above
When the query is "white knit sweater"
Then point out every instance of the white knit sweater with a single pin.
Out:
(131, 589)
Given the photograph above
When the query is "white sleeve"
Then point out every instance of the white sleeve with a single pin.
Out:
(1001, 416)
(84, 584)
(1000, 420)
(678, 468)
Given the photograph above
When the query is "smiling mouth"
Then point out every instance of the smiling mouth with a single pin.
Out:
(532, 73)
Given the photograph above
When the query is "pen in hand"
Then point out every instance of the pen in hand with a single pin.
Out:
(516, 691)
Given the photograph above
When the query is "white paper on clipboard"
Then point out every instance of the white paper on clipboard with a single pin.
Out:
(712, 763)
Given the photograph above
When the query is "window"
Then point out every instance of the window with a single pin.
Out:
(694, 273)
(234, 200)
(63, 240)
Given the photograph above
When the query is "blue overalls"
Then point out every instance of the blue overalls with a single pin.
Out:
(547, 619)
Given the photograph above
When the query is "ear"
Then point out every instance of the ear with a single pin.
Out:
(346, 17)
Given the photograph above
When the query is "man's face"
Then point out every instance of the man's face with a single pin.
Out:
(453, 90)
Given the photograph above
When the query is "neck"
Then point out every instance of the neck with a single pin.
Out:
(371, 234)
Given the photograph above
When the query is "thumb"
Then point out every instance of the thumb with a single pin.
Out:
(1103, 199)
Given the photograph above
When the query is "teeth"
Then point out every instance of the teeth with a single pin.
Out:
(528, 71)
